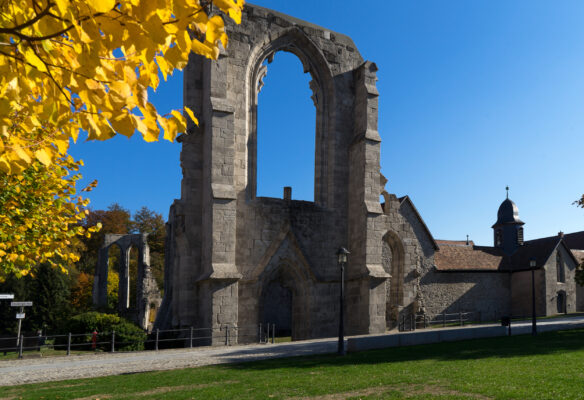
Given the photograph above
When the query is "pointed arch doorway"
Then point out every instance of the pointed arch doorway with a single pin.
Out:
(393, 260)
(283, 302)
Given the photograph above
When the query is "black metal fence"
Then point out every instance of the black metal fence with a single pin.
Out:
(412, 322)
(156, 340)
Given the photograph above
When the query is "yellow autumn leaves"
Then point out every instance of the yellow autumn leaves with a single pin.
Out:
(71, 65)
(40, 214)
(67, 65)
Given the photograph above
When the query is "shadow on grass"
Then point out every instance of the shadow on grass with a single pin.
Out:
(501, 347)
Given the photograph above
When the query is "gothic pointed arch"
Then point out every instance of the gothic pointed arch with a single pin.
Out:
(295, 41)
(393, 259)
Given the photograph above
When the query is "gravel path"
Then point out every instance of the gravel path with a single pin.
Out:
(16, 372)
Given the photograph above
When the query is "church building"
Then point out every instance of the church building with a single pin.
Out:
(496, 281)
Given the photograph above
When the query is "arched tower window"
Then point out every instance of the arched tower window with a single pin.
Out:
(498, 238)
(520, 236)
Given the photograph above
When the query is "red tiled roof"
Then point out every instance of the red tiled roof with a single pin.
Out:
(457, 256)
(469, 258)
(454, 242)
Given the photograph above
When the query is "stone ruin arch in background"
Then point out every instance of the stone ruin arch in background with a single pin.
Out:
(147, 293)
(223, 240)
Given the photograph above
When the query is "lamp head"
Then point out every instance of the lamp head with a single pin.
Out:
(342, 255)
(532, 263)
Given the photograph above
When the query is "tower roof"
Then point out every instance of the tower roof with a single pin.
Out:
(508, 214)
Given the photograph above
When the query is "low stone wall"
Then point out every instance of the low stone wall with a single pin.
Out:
(371, 342)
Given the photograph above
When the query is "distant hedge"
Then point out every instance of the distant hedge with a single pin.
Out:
(128, 337)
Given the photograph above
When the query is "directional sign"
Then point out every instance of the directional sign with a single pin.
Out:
(20, 316)
(6, 296)
(21, 304)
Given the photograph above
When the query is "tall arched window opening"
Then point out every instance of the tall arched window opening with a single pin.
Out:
(286, 122)
(133, 277)
(114, 255)
(561, 274)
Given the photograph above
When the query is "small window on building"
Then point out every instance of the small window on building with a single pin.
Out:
(520, 236)
(560, 267)
(498, 238)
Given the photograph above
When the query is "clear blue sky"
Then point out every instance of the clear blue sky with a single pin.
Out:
(475, 95)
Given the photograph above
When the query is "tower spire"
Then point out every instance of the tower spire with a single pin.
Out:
(507, 189)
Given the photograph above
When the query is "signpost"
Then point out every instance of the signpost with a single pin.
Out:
(21, 304)
(20, 314)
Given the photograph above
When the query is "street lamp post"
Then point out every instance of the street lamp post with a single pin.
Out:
(342, 260)
(532, 266)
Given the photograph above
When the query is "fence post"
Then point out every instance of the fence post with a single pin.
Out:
(425, 323)
(443, 319)
(113, 341)
(156, 342)
(20, 346)
(412, 323)
(191, 338)
(69, 344)
(226, 335)
(260, 333)
(273, 333)
(460, 318)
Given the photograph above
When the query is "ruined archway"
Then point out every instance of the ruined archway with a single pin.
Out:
(276, 303)
(284, 298)
(146, 290)
(393, 258)
(226, 239)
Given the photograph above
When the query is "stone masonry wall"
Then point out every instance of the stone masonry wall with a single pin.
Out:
(228, 245)
(484, 293)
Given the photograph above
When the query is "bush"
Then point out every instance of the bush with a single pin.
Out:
(128, 336)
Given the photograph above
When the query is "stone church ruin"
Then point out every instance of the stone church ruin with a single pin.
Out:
(235, 259)
(142, 309)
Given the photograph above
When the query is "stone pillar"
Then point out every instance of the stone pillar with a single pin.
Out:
(365, 274)
(124, 284)
(218, 276)
(142, 300)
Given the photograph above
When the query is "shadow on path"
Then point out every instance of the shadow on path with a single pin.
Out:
(500, 347)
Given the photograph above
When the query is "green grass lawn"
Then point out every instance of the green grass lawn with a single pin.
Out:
(549, 366)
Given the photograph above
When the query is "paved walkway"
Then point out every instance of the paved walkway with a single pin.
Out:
(14, 372)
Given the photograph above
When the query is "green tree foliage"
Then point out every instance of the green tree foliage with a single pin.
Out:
(48, 288)
(40, 211)
(116, 219)
(128, 336)
(152, 223)
(580, 275)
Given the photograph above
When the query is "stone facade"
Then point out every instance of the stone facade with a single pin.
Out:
(231, 252)
(148, 296)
